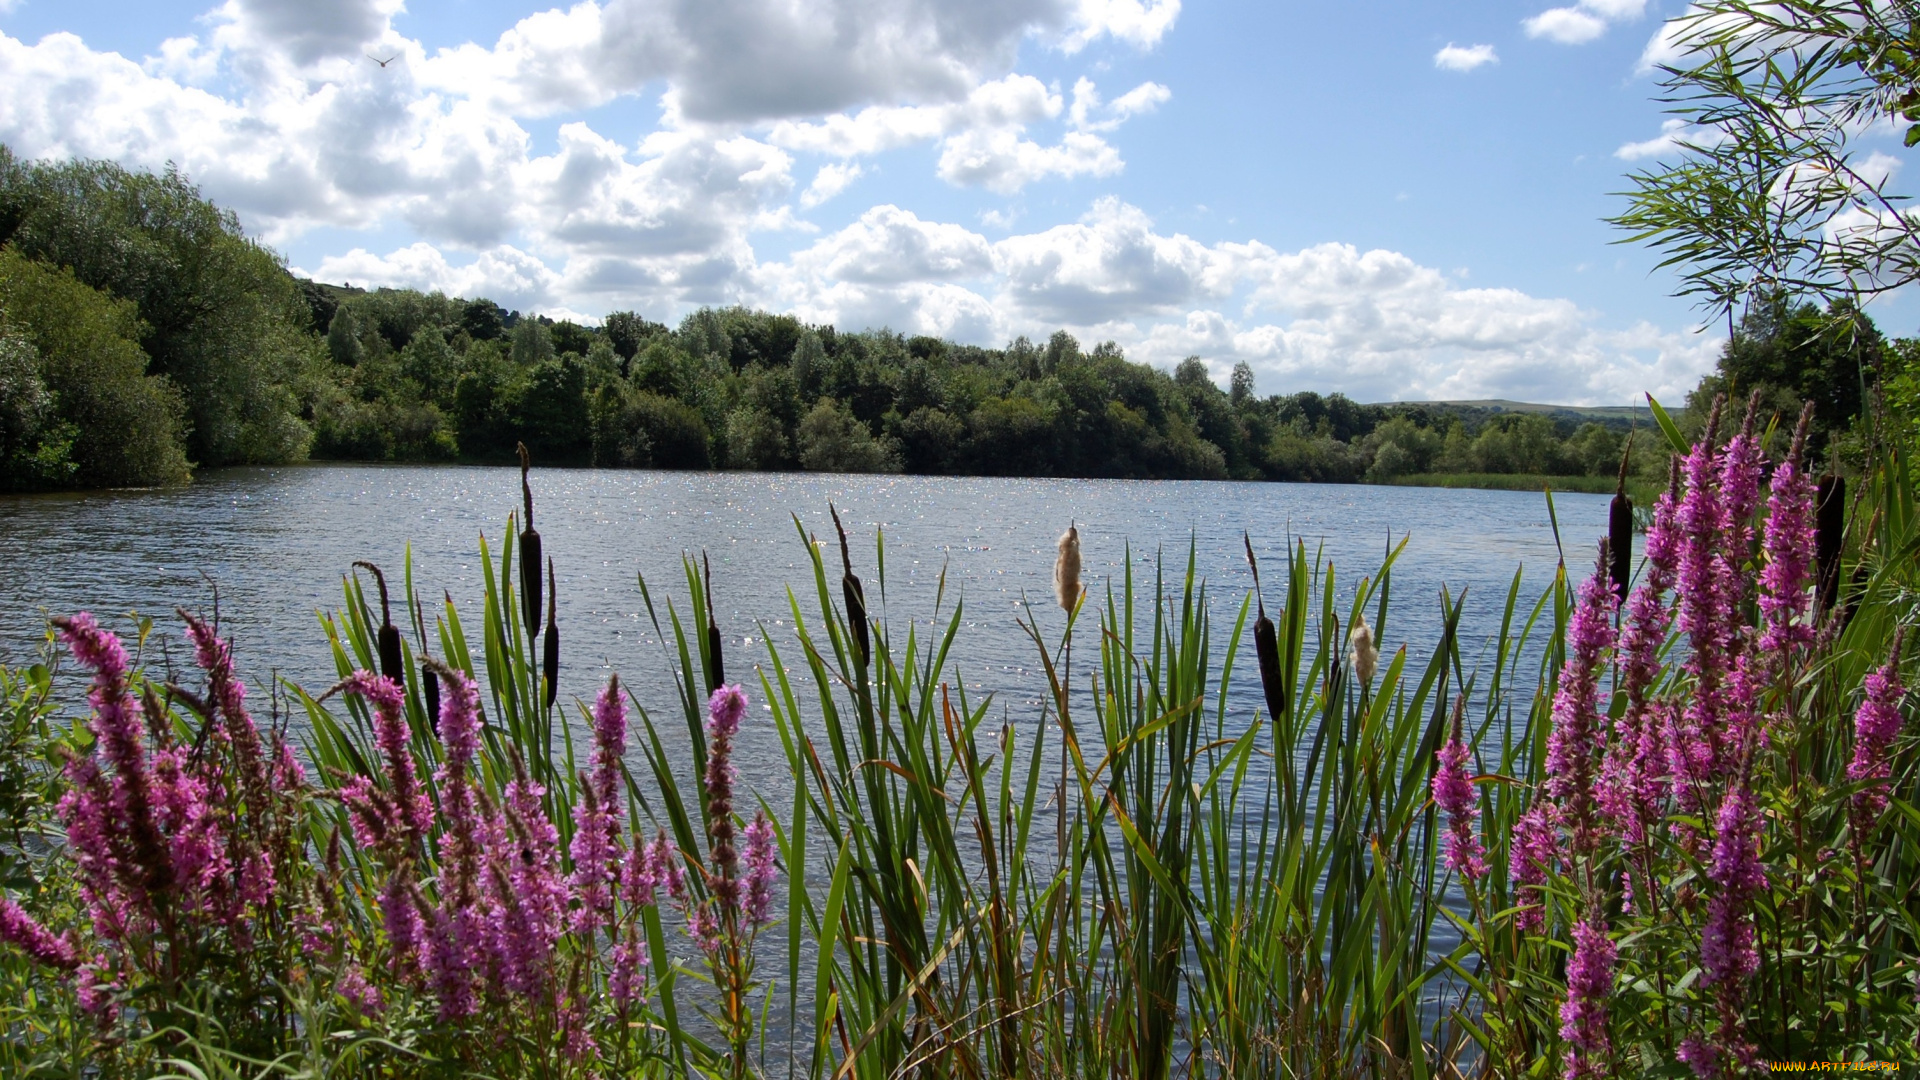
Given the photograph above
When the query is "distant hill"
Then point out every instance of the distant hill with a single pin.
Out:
(1618, 417)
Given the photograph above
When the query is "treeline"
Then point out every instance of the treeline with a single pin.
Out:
(142, 334)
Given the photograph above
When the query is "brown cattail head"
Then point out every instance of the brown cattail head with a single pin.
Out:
(1066, 569)
(1266, 647)
(1620, 532)
(392, 661)
(850, 590)
(716, 666)
(529, 552)
(550, 655)
(1829, 535)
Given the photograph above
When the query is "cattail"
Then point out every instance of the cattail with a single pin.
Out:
(392, 664)
(550, 654)
(529, 552)
(1620, 531)
(1363, 654)
(1266, 647)
(1829, 534)
(1066, 570)
(716, 666)
(850, 589)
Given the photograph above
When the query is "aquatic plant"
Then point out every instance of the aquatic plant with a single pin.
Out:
(1621, 837)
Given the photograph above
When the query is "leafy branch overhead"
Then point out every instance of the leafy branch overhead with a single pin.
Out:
(1767, 190)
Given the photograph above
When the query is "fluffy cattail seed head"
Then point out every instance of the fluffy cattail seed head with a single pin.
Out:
(1066, 569)
(1362, 652)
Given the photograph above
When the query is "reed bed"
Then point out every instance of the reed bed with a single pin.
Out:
(1661, 824)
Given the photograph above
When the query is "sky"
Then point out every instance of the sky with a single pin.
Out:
(1392, 200)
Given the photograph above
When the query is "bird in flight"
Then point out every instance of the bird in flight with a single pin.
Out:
(383, 63)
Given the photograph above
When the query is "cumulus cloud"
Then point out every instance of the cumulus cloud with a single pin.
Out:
(1373, 324)
(1671, 132)
(273, 111)
(1582, 22)
(832, 179)
(757, 60)
(983, 139)
(1464, 57)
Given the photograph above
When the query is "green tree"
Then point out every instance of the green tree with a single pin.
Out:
(832, 439)
(219, 314)
(1793, 353)
(125, 425)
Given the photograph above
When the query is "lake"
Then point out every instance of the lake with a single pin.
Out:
(277, 540)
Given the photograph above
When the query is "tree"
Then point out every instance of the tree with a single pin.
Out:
(832, 439)
(125, 425)
(1241, 393)
(1793, 353)
(218, 314)
(1765, 196)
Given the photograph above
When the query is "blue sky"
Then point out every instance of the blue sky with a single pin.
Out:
(1394, 200)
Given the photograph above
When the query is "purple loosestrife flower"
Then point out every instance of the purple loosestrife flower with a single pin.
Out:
(761, 869)
(460, 735)
(724, 711)
(361, 994)
(1788, 542)
(625, 979)
(1634, 774)
(411, 813)
(1726, 946)
(1453, 794)
(663, 865)
(1875, 725)
(228, 696)
(596, 836)
(21, 930)
(134, 853)
(1574, 746)
(1703, 573)
(401, 915)
(535, 906)
(1583, 1016)
(1536, 853)
(594, 863)
(1727, 954)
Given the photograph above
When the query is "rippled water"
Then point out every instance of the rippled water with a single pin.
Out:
(276, 541)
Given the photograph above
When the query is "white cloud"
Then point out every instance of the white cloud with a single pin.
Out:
(983, 139)
(1373, 324)
(1567, 25)
(832, 179)
(1671, 132)
(1138, 23)
(760, 60)
(1582, 22)
(999, 160)
(1089, 114)
(1464, 57)
(507, 275)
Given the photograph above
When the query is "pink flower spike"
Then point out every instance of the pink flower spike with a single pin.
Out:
(20, 929)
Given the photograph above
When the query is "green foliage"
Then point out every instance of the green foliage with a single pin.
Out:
(1763, 195)
(83, 409)
(219, 315)
(1793, 352)
(833, 439)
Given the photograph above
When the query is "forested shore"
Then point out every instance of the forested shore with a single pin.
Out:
(144, 335)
